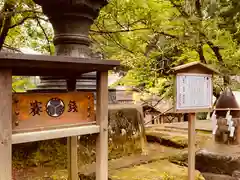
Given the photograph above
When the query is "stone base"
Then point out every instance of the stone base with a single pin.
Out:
(219, 163)
(223, 135)
(211, 176)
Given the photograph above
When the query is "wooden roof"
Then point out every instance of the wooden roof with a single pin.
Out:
(192, 66)
(44, 65)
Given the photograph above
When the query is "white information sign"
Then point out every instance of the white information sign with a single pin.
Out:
(194, 92)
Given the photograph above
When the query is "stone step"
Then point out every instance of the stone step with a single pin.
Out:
(170, 129)
(172, 133)
(212, 176)
(204, 126)
(171, 139)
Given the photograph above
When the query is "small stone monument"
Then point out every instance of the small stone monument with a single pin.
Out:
(227, 116)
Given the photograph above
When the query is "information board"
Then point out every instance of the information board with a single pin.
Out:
(38, 111)
(193, 92)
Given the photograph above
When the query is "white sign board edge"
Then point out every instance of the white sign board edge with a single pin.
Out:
(194, 92)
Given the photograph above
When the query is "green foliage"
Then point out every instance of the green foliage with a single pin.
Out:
(21, 84)
(150, 37)
(52, 153)
(167, 176)
(202, 116)
(28, 28)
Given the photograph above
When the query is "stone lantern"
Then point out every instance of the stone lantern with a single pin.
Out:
(71, 21)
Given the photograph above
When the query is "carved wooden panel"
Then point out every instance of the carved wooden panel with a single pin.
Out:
(37, 111)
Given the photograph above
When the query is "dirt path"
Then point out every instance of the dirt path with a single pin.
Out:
(156, 153)
(154, 165)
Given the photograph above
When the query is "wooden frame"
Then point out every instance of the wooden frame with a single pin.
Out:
(24, 137)
(198, 69)
(6, 124)
(28, 119)
(69, 68)
(102, 121)
(193, 109)
(43, 65)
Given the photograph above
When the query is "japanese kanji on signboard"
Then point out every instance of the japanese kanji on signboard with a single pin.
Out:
(194, 91)
(193, 87)
(34, 111)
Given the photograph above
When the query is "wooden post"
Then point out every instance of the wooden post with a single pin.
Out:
(72, 158)
(102, 120)
(193, 93)
(72, 143)
(191, 146)
(6, 124)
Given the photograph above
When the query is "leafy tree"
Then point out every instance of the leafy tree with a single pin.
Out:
(150, 37)
(23, 24)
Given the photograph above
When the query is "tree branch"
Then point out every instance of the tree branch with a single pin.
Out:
(168, 35)
(110, 36)
(198, 8)
(152, 44)
(118, 31)
(45, 34)
(180, 9)
(21, 21)
(12, 48)
(216, 51)
(5, 20)
(200, 53)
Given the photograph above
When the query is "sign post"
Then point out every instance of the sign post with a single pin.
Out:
(193, 93)
(191, 145)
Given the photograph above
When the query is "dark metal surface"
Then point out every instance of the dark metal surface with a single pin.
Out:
(71, 21)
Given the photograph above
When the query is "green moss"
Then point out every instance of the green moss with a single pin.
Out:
(176, 139)
(53, 153)
(167, 139)
(156, 170)
(204, 131)
(180, 158)
(42, 153)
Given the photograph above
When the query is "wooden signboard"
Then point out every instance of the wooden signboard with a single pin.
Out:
(31, 117)
(193, 88)
(40, 111)
(193, 92)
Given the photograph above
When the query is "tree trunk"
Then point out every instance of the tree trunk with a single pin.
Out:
(6, 14)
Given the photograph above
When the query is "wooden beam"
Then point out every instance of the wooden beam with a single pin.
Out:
(226, 109)
(45, 65)
(102, 120)
(6, 124)
(191, 145)
(54, 134)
